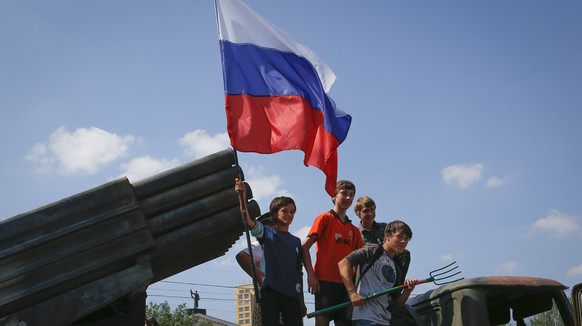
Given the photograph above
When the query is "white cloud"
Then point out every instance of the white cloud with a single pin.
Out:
(462, 175)
(226, 262)
(199, 143)
(264, 187)
(302, 232)
(557, 224)
(499, 181)
(40, 155)
(85, 150)
(495, 182)
(575, 271)
(450, 257)
(507, 267)
(145, 166)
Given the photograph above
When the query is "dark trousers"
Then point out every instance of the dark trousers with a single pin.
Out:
(331, 294)
(275, 305)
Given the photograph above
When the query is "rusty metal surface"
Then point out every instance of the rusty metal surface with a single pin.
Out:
(135, 234)
(499, 282)
(487, 301)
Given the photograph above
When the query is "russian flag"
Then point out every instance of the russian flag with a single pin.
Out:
(277, 91)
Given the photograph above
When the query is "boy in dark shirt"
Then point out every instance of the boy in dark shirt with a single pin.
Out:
(282, 289)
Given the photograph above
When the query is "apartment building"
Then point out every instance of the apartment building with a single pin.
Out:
(244, 299)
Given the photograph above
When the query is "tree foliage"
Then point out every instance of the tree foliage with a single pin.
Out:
(548, 318)
(180, 316)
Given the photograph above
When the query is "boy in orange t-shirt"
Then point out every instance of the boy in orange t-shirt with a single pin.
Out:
(336, 237)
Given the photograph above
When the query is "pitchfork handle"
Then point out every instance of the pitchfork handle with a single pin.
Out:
(371, 296)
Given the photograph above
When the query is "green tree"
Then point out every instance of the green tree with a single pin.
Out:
(548, 318)
(180, 316)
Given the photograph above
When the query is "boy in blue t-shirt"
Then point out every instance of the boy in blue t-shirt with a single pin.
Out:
(281, 265)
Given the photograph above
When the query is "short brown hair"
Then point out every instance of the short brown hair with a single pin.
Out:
(398, 226)
(344, 185)
(276, 205)
(363, 202)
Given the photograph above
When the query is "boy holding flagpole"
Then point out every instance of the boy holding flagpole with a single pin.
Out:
(281, 264)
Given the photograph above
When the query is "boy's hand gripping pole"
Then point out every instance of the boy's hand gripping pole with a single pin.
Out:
(243, 213)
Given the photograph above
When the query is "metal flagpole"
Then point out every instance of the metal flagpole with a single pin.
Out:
(244, 213)
(243, 207)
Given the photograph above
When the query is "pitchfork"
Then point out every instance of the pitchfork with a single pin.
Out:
(436, 276)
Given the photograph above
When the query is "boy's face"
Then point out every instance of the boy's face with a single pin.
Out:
(344, 198)
(286, 214)
(367, 215)
(397, 241)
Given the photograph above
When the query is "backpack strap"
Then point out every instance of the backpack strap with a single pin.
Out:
(377, 254)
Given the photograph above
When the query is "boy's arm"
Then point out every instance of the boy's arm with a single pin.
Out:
(301, 296)
(239, 187)
(302, 300)
(406, 293)
(244, 260)
(299, 273)
(346, 271)
(312, 281)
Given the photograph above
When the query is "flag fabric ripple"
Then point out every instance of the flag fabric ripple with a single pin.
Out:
(277, 91)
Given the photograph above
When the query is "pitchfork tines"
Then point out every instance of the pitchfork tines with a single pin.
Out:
(444, 273)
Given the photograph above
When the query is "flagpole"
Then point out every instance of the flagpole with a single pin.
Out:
(244, 213)
(216, 15)
(242, 201)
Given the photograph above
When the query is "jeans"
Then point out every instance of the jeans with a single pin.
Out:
(364, 323)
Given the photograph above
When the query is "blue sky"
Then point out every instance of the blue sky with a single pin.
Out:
(466, 120)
